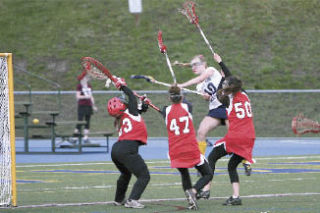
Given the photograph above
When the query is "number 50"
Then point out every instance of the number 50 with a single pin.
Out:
(243, 110)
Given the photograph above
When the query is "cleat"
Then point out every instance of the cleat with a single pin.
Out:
(115, 203)
(203, 194)
(192, 207)
(134, 204)
(247, 169)
(232, 201)
(192, 200)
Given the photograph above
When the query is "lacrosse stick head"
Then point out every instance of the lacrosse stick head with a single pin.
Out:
(91, 68)
(189, 10)
(82, 75)
(162, 47)
(116, 107)
(301, 125)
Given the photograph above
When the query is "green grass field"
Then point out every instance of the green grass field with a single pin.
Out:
(278, 184)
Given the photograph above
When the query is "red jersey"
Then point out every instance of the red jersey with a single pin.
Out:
(183, 146)
(132, 128)
(85, 91)
(241, 134)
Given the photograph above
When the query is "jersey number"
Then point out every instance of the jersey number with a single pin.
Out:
(243, 110)
(211, 89)
(127, 126)
(174, 127)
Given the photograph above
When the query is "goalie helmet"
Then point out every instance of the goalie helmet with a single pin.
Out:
(116, 107)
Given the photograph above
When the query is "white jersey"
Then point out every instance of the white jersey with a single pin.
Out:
(210, 85)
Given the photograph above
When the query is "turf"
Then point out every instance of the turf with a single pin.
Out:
(278, 184)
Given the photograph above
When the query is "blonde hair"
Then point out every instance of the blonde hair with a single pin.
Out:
(200, 57)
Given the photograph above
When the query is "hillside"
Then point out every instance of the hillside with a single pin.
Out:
(270, 44)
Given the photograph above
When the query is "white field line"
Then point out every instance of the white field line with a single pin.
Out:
(78, 164)
(153, 185)
(166, 161)
(164, 199)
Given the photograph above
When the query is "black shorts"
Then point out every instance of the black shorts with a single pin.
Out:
(220, 113)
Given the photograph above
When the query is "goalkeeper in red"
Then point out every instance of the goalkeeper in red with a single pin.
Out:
(184, 151)
(239, 140)
(125, 152)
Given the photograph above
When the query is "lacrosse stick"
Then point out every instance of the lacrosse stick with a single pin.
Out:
(163, 49)
(97, 71)
(190, 12)
(301, 125)
(152, 80)
(181, 64)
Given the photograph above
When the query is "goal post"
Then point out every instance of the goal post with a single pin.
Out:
(8, 195)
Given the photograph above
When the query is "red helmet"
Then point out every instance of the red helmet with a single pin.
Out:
(116, 107)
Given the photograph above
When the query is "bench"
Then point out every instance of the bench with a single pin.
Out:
(80, 145)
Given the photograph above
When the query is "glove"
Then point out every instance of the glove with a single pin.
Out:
(142, 107)
(147, 101)
(119, 83)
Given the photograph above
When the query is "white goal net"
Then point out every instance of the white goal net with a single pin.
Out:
(7, 155)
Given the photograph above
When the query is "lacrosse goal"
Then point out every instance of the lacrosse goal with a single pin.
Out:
(7, 133)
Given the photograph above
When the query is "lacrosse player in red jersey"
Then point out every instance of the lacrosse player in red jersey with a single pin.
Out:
(239, 140)
(184, 152)
(132, 134)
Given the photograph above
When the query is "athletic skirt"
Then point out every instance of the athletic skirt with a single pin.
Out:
(220, 113)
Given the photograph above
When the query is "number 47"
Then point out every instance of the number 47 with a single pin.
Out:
(175, 127)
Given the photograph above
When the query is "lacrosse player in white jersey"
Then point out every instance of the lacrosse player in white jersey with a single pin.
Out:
(208, 81)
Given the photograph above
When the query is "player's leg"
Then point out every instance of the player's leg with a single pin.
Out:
(125, 175)
(86, 130)
(81, 114)
(206, 176)
(185, 178)
(208, 123)
(234, 161)
(139, 168)
(136, 165)
(187, 188)
(217, 153)
(77, 130)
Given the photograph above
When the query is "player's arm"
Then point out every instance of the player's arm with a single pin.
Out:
(133, 104)
(208, 72)
(224, 68)
(163, 112)
(93, 103)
